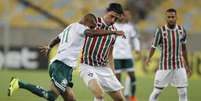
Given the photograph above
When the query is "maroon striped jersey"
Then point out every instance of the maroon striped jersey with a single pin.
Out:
(96, 50)
(170, 43)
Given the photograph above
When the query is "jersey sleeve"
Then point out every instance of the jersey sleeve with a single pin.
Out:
(81, 29)
(133, 32)
(184, 36)
(157, 38)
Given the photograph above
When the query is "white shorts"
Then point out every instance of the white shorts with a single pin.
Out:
(177, 78)
(103, 75)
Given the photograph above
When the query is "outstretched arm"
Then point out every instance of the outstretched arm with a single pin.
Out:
(101, 32)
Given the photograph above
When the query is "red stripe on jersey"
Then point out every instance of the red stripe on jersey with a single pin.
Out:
(108, 50)
(166, 50)
(91, 47)
(83, 49)
(101, 47)
(173, 46)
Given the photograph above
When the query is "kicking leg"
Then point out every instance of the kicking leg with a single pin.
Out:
(96, 89)
(35, 89)
(117, 95)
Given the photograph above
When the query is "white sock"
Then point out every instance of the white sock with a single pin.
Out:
(154, 95)
(127, 87)
(182, 92)
(96, 99)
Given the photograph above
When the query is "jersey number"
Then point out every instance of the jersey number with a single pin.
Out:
(65, 35)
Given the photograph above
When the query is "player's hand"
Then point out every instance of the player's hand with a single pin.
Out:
(120, 33)
(44, 50)
(188, 71)
(147, 61)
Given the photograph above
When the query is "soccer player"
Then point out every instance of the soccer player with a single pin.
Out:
(60, 71)
(97, 67)
(123, 58)
(173, 67)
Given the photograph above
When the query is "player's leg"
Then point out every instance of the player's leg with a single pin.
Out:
(96, 89)
(130, 80)
(35, 89)
(162, 79)
(180, 81)
(69, 95)
(118, 68)
(127, 89)
(117, 95)
(61, 75)
(132, 85)
(110, 83)
(90, 79)
(155, 93)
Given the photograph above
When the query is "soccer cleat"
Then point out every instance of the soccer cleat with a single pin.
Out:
(14, 85)
(133, 98)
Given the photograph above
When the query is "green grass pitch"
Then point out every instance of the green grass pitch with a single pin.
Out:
(144, 87)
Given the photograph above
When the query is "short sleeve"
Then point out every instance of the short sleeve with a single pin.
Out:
(157, 38)
(81, 29)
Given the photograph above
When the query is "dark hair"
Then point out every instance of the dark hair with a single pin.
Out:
(171, 10)
(116, 7)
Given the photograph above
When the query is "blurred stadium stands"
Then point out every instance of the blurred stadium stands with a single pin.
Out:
(22, 26)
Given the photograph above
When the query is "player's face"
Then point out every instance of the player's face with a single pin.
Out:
(111, 17)
(127, 15)
(171, 18)
(92, 24)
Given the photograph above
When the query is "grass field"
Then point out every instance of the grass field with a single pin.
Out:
(144, 87)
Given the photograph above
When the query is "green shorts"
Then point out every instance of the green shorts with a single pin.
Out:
(61, 75)
(123, 65)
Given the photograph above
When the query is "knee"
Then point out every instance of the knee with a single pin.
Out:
(99, 95)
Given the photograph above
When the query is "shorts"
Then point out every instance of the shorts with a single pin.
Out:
(123, 65)
(177, 78)
(61, 75)
(103, 75)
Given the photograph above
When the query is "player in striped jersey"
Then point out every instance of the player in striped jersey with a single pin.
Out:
(173, 66)
(123, 58)
(70, 42)
(97, 67)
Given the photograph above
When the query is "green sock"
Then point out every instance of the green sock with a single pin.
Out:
(37, 90)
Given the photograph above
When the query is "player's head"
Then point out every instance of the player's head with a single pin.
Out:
(126, 16)
(114, 12)
(171, 16)
(89, 20)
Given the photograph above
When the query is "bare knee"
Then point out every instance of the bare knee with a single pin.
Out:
(68, 95)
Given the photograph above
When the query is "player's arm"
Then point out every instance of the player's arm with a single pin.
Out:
(101, 32)
(185, 53)
(155, 43)
(44, 50)
(111, 60)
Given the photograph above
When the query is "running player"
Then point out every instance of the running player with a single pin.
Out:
(97, 68)
(60, 71)
(123, 58)
(171, 38)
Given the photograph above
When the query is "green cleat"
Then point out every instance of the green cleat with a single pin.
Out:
(14, 85)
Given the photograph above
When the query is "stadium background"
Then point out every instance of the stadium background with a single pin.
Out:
(27, 24)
